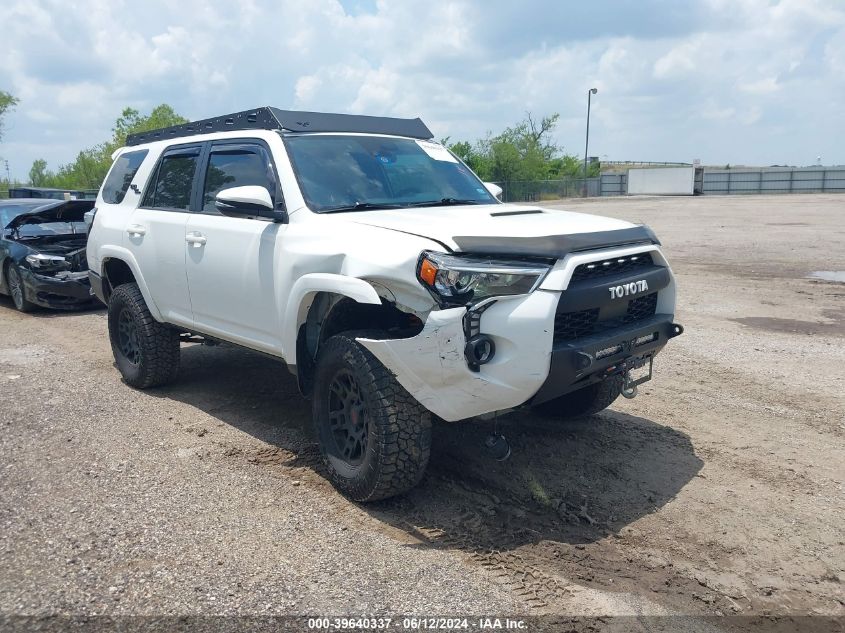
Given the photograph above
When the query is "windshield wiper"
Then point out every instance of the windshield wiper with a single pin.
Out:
(361, 206)
(444, 202)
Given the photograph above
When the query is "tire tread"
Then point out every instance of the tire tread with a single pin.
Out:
(160, 348)
(402, 425)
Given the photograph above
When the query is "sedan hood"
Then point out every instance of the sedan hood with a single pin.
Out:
(55, 211)
(508, 229)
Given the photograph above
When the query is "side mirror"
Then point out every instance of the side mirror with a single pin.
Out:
(494, 189)
(248, 202)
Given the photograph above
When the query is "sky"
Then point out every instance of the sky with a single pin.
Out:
(755, 82)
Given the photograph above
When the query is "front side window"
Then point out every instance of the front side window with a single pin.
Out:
(120, 177)
(173, 180)
(236, 166)
(348, 172)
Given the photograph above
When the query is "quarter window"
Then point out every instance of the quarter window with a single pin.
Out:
(174, 180)
(236, 166)
(121, 175)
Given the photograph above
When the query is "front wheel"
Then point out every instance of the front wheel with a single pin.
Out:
(146, 352)
(14, 282)
(375, 438)
(586, 401)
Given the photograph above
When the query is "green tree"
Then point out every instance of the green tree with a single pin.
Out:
(38, 174)
(7, 103)
(477, 160)
(130, 121)
(523, 154)
(524, 151)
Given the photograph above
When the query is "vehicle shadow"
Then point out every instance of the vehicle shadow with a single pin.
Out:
(574, 482)
(49, 313)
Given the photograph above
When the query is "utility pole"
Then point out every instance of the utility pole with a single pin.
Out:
(590, 93)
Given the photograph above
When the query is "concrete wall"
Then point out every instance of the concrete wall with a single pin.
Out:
(665, 181)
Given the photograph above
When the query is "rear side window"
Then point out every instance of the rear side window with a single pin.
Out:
(236, 166)
(174, 180)
(121, 175)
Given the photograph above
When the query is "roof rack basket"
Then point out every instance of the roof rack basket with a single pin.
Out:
(288, 121)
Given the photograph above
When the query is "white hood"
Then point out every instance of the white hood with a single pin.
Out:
(443, 224)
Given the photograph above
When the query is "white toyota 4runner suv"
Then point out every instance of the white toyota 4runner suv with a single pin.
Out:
(390, 279)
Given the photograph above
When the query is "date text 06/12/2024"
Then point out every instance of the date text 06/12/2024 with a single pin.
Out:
(416, 624)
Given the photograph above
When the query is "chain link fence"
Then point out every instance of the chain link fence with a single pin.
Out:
(539, 190)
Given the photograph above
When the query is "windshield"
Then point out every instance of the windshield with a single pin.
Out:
(47, 229)
(347, 173)
(9, 212)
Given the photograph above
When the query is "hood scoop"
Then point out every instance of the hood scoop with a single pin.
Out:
(499, 214)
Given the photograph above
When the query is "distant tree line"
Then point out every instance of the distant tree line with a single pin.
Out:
(523, 152)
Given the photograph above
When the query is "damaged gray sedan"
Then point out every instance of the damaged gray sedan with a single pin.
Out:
(42, 253)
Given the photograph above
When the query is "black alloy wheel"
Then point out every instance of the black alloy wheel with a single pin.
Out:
(127, 337)
(348, 418)
(15, 283)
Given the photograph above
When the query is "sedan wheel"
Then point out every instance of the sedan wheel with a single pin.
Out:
(14, 281)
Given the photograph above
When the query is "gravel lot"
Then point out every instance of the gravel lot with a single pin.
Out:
(719, 490)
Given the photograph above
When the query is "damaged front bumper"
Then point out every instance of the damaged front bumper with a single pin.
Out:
(63, 291)
(575, 365)
(433, 367)
(528, 367)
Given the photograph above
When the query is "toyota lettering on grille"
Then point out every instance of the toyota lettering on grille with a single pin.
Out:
(617, 292)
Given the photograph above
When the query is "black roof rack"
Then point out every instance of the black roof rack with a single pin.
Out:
(267, 118)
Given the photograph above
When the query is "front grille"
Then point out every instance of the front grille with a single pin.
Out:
(613, 266)
(641, 308)
(571, 325)
(574, 325)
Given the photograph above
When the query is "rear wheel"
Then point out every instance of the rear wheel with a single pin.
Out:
(146, 352)
(375, 438)
(14, 282)
(584, 402)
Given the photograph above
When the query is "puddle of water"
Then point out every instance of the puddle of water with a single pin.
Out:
(829, 275)
(793, 326)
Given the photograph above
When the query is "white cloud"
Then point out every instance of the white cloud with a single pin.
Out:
(680, 62)
(763, 86)
(723, 80)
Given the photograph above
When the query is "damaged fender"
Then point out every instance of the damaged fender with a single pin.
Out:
(302, 294)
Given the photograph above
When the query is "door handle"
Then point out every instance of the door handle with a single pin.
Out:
(136, 230)
(195, 238)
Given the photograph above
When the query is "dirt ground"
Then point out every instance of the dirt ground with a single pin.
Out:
(717, 491)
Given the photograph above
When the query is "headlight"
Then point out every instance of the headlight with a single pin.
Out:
(463, 280)
(40, 260)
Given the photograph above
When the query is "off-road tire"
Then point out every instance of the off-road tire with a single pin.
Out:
(156, 359)
(398, 428)
(14, 279)
(584, 402)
